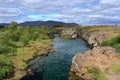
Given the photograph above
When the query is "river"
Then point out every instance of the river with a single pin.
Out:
(56, 66)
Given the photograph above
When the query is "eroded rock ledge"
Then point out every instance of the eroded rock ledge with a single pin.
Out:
(95, 39)
(101, 63)
(94, 36)
(69, 33)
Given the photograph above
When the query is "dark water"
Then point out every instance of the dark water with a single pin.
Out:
(56, 66)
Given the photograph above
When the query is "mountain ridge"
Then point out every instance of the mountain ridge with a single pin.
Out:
(42, 23)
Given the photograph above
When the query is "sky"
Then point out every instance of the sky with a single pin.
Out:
(83, 12)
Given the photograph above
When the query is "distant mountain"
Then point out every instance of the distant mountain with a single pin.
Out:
(4, 24)
(42, 23)
(46, 23)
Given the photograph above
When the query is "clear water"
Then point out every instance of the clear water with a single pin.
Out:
(56, 66)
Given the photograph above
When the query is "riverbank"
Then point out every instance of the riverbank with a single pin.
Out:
(99, 62)
(56, 66)
(93, 35)
(20, 45)
(25, 55)
(96, 35)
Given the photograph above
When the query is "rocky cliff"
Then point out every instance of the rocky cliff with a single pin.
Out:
(100, 63)
(96, 35)
(69, 33)
(93, 35)
(94, 39)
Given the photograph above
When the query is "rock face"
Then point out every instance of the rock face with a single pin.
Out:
(95, 38)
(100, 63)
(69, 33)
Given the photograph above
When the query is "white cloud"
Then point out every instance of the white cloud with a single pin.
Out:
(84, 12)
(110, 2)
(9, 12)
(95, 16)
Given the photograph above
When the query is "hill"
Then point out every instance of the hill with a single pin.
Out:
(42, 23)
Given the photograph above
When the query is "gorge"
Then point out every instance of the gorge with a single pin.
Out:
(56, 66)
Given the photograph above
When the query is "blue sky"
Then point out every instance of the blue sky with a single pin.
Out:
(83, 12)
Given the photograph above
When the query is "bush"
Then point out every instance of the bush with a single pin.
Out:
(114, 42)
(15, 36)
(5, 67)
(117, 47)
(98, 75)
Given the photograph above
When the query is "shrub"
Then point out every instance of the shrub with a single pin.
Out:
(98, 75)
(114, 42)
(5, 67)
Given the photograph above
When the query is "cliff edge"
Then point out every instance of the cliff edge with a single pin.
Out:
(100, 63)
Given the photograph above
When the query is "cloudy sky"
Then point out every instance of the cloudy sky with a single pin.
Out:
(84, 12)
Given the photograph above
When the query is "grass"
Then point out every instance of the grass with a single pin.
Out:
(113, 42)
(23, 55)
(47, 41)
(27, 53)
(97, 74)
(111, 29)
(116, 68)
(95, 30)
(21, 44)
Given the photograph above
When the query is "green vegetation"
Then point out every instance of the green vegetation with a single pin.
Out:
(97, 74)
(116, 68)
(79, 28)
(15, 36)
(113, 42)
(20, 44)
(57, 26)
(5, 66)
(95, 30)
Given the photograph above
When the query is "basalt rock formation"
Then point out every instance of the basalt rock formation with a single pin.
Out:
(69, 33)
(96, 35)
(95, 39)
(100, 63)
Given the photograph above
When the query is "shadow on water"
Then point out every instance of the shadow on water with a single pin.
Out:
(56, 66)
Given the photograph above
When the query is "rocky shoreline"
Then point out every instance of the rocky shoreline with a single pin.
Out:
(84, 66)
(102, 59)
(94, 36)
(99, 62)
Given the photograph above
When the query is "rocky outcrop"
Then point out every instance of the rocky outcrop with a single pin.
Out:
(100, 63)
(69, 33)
(95, 39)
